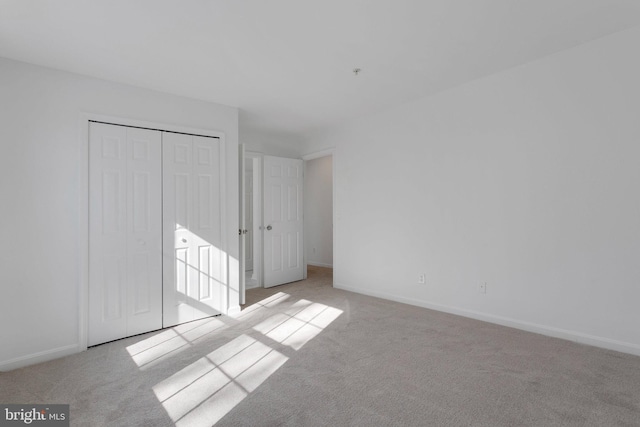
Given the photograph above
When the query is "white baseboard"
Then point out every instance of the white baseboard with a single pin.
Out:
(251, 285)
(575, 336)
(320, 264)
(43, 356)
(234, 310)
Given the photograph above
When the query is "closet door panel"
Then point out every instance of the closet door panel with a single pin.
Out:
(207, 228)
(125, 232)
(177, 212)
(107, 231)
(144, 231)
(191, 222)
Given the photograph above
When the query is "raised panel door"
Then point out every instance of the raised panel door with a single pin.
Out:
(283, 180)
(124, 232)
(107, 231)
(194, 271)
(144, 231)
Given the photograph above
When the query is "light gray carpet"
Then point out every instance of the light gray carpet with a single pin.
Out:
(306, 354)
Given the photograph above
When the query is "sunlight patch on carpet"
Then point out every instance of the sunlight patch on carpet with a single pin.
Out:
(260, 306)
(296, 329)
(203, 392)
(169, 342)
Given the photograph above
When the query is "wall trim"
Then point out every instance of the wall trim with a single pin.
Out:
(253, 285)
(318, 154)
(232, 311)
(319, 264)
(579, 337)
(39, 357)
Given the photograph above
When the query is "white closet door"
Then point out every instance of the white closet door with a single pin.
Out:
(125, 232)
(283, 262)
(144, 231)
(194, 264)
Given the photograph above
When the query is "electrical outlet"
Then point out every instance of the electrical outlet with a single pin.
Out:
(422, 279)
(483, 287)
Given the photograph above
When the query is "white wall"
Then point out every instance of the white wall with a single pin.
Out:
(270, 143)
(318, 211)
(527, 179)
(41, 194)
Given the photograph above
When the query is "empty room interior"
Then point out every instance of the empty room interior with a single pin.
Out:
(335, 213)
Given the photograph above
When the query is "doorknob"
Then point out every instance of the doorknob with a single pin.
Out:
(269, 227)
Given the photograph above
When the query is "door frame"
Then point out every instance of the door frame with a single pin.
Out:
(257, 213)
(242, 239)
(83, 217)
(257, 219)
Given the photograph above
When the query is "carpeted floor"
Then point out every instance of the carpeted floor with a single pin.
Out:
(306, 354)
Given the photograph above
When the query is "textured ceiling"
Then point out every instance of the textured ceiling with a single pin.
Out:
(287, 64)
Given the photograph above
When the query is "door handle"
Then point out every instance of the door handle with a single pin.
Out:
(269, 227)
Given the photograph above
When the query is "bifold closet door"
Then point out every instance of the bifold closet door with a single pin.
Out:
(194, 262)
(125, 232)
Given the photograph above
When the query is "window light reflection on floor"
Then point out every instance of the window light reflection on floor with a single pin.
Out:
(203, 392)
(295, 330)
(158, 347)
(269, 302)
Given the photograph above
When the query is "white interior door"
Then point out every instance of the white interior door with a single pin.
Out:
(194, 268)
(125, 232)
(283, 224)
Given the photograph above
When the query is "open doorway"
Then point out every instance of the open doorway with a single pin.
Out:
(272, 226)
(318, 210)
(252, 220)
(273, 206)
